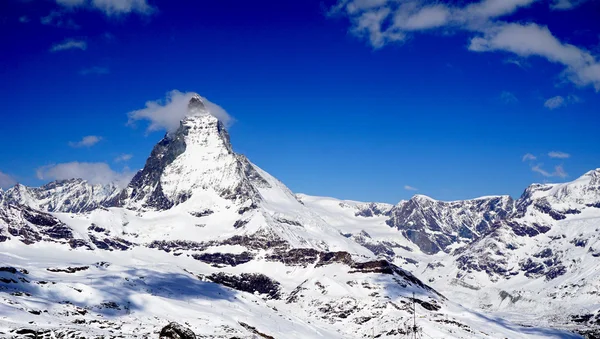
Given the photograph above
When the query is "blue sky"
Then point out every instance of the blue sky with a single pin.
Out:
(372, 100)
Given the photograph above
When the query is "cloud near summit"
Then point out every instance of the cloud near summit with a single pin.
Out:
(166, 114)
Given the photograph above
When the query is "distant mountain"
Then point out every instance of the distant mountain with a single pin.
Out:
(203, 237)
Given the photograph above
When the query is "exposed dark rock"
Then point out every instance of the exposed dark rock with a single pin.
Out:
(289, 222)
(248, 282)
(545, 253)
(176, 331)
(68, 269)
(513, 299)
(202, 213)
(326, 258)
(254, 331)
(97, 228)
(295, 256)
(146, 185)
(175, 245)
(579, 242)
(240, 223)
(111, 244)
(224, 258)
(555, 272)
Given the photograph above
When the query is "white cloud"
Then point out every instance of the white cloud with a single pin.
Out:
(123, 157)
(391, 21)
(559, 155)
(93, 172)
(529, 157)
(58, 19)
(69, 44)
(87, 141)
(24, 19)
(95, 70)
(555, 102)
(581, 67)
(166, 114)
(558, 171)
(6, 180)
(508, 98)
(562, 5)
(410, 188)
(111, 7)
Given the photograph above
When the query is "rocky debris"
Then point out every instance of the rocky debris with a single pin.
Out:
(176, 331)
(98, 229)
(202, 213)
(579, 242)
(240, 223)
(289, 222)
(248, 282)
(224, 258)
(296, 293)
(111, 243)
(254, 331)
(176, 245)
(295, 256)
(327, 258)
(522, 230)
(68, 269)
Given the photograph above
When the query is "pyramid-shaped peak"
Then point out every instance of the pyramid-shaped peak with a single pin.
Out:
(196, 103)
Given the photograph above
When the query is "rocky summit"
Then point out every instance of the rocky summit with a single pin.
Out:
(202, 243)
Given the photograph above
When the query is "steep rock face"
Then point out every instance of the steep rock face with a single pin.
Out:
(65, 196)
(31, 226)
(435, 225)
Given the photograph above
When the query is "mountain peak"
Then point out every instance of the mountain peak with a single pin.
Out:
(196, 104)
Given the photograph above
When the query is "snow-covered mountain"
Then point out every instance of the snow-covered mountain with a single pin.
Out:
(67, 196)
(203, 237)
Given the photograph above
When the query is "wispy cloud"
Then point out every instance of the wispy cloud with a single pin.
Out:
(529, 157)
(560, 101)
(508, 97)
(554, 102)
(58, 19)
(95, 70)
(123, 157)
(24, 19)
(87, 141)
(93, 172)
(6, 180)
(559, 155)
(410, 188)
(562, 5)
(69, 44)
(390, 21)
(519, 62)
(112, 7)
(558, 171)
(166, 114)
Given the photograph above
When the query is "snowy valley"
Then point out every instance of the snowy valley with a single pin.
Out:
(203, 237)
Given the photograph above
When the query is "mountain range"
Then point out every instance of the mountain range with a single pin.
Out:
(203, 237)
